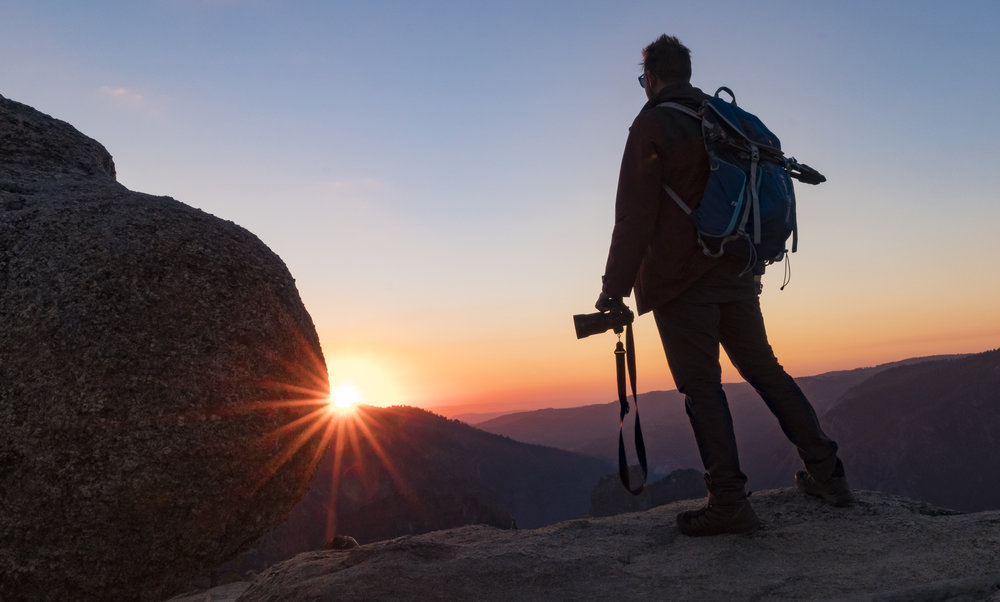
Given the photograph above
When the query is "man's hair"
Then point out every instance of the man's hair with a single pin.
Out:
(668, 59)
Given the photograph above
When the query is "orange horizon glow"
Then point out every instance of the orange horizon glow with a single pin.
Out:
(586, 376)
(352, 429)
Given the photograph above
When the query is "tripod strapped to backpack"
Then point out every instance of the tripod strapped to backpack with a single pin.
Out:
(748, 206)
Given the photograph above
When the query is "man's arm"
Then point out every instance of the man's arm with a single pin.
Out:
(637, 205)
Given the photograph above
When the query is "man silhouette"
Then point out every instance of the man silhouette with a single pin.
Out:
(700, 302)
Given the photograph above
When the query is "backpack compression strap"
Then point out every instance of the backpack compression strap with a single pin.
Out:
(623, 355)
(670, 191)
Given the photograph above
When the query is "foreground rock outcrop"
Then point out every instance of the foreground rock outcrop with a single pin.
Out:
(883, 548)
(144, 349)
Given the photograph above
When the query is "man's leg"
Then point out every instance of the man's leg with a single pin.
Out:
(689, 332)
(689, 329)
(742, 335)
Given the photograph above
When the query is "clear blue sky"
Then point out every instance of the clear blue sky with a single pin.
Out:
(440, 176)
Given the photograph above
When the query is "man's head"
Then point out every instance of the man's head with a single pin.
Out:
(666, 61)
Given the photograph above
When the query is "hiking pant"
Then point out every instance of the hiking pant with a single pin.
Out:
(722, 307)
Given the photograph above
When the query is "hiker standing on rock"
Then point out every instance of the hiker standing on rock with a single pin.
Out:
(700, 301)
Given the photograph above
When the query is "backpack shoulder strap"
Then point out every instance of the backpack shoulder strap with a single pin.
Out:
(681, 108)
(670, 191)
(677, 199)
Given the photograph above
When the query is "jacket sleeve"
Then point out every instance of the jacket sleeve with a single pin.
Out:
(637, 205)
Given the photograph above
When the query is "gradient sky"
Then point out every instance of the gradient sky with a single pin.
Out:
(439, 177)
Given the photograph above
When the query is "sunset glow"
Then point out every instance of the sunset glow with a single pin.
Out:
(345, 396)
(366, 377)
(438, 280)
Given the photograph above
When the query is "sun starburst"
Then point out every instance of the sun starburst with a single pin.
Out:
(346, 396)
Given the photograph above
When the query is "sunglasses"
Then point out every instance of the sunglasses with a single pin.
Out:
(642, 80)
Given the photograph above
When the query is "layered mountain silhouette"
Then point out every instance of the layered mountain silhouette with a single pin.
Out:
(925, 428)
(402, 471)
(927, 431)
(593, 429)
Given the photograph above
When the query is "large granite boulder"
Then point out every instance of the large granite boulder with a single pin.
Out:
(160, 379)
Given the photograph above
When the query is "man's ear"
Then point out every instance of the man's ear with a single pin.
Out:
(652, 85)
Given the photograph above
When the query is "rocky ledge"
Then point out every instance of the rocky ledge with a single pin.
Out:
(883, 548)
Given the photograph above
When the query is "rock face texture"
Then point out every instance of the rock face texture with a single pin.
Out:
(160, 379)
(883, 548)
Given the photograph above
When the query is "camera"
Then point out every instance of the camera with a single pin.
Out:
(596, 323)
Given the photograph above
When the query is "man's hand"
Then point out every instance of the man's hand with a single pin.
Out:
(606, 303)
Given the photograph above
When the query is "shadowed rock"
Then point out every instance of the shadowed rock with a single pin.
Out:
(883, 548)
(140, 341)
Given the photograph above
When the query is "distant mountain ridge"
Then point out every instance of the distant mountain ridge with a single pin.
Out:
(593, 429)
(927, 431)
(942, 414)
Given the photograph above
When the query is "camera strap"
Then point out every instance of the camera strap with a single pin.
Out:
(626, 355)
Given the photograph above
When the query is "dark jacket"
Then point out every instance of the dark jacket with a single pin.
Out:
(654, 246)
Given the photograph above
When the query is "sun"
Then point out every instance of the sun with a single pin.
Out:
(345, 396)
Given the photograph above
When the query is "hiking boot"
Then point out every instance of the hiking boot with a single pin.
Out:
(716, 519)
(833, 491)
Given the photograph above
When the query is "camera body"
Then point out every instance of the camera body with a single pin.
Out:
(615, 320)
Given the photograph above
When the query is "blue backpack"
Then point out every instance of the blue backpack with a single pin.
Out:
(748, 207)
